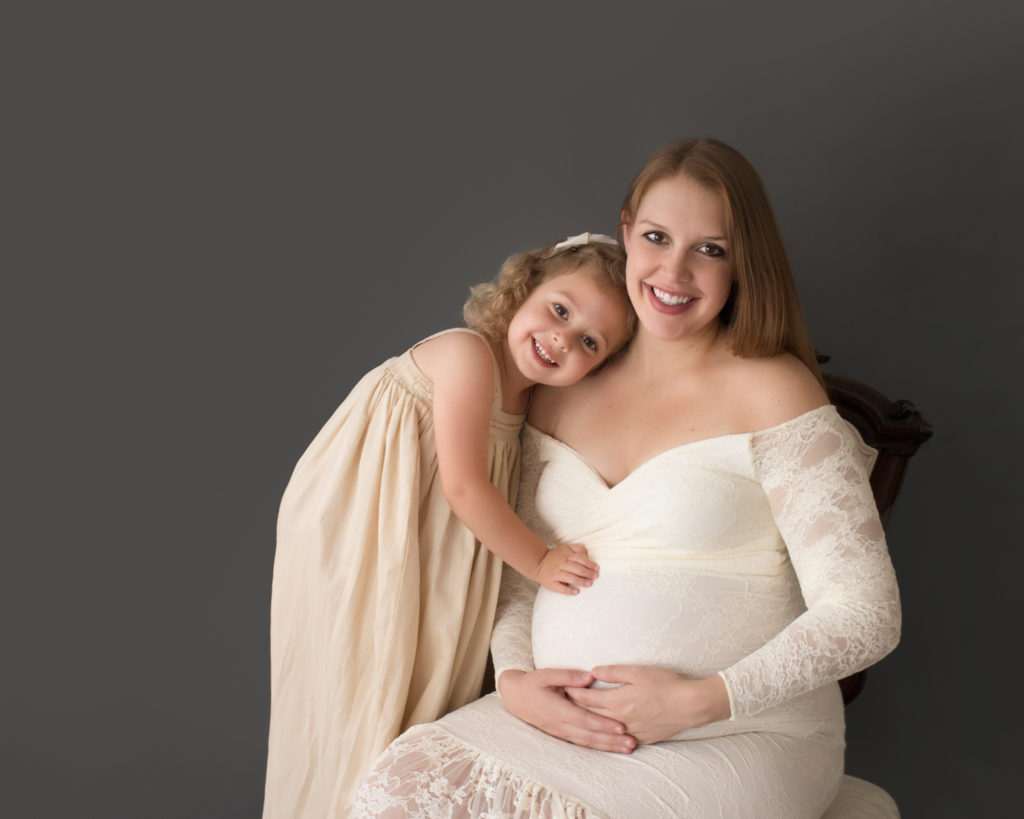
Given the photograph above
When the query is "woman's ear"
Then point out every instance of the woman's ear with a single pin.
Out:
(624, 231)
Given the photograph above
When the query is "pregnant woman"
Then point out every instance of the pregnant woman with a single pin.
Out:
(743, 568)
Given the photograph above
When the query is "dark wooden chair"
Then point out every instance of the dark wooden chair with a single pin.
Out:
(896, 429)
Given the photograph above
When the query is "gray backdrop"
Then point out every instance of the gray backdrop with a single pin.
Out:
(220, 218)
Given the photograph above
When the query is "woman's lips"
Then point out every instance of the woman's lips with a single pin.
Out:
(665, 301)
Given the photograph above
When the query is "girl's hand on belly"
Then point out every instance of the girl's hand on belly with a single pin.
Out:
(540, 699)
(654, 703)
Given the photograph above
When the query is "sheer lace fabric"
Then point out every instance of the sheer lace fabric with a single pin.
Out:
(814, 472)
(757, 556)
(430, 774)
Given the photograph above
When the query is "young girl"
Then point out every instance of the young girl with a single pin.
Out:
(382, 599)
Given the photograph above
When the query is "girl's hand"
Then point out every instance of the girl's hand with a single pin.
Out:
(654, 703)
(539, 698)
(566, 567)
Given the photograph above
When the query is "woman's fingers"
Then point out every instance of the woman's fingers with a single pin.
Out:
(633, 674)
(616, 743)
(582, 727)
(540, 698)
(597, 701)
(557, 677)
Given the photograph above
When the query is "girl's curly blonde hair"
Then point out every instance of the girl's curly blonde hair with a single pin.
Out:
(491, 305)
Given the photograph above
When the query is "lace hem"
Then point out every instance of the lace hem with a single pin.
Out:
(429, 774)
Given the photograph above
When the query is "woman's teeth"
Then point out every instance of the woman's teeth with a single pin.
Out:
(667, 298)
(542, 353)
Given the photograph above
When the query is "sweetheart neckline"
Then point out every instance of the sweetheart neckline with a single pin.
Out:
(579, 456)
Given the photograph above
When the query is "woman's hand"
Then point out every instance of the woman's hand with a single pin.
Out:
(566, 567)
(654, 703)
(539, 698)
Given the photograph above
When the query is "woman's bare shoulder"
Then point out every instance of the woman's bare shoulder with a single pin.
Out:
(774, 389)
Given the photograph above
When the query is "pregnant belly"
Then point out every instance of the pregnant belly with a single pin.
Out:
(696, 624)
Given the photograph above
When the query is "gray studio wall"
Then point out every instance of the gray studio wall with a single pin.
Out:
(226, 217)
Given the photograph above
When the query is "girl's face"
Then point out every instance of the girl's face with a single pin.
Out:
(567, 326)
(678, 268)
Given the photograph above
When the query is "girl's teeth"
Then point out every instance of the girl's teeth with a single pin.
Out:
(541, 353)
(665, 298)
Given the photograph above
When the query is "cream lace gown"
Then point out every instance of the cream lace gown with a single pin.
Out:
(759, 556)
(382, 602)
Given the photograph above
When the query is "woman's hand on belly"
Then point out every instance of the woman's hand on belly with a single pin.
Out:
(654, 703)
(540, 698)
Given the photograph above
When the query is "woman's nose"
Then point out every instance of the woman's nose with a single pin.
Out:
(679, 268)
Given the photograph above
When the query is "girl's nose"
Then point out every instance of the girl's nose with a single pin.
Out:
(559, 341)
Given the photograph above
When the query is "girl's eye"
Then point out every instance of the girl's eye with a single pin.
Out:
(560, 310)
(589, 343)
(713, 250)
(656, 237)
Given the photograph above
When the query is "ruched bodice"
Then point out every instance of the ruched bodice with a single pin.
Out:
(697, 503)
(679, 535)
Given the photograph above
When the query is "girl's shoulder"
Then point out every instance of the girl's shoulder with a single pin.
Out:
(771, 390)
(459, 352)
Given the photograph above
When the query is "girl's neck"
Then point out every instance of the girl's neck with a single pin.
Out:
(515, 387)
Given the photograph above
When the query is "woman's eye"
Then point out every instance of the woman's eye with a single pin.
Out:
(589, 343)
(656, 237)
(560, 310)
(712, 250)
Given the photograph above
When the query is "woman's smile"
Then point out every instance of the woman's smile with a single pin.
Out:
(668, 301)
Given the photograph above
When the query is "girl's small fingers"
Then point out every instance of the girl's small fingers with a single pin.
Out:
(585, 568)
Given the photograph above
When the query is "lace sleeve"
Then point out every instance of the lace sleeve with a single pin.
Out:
(511, 639)
(814, 471)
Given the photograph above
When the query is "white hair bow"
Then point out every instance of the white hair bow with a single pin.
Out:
(586, 239)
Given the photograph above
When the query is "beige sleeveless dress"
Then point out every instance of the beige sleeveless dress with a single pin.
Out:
(382, 602)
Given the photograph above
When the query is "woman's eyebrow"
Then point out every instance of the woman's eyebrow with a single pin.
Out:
(663, 229)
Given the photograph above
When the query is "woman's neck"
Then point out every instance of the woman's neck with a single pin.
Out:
(656, 358)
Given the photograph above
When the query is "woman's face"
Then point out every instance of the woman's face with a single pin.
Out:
(678, 267)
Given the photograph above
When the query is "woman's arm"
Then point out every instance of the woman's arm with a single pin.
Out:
(538, 697)
(463, 387)
(815, 473)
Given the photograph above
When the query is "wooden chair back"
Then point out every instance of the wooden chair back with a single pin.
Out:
(896, 429)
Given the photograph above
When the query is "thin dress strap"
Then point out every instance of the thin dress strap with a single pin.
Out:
(496, 398)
